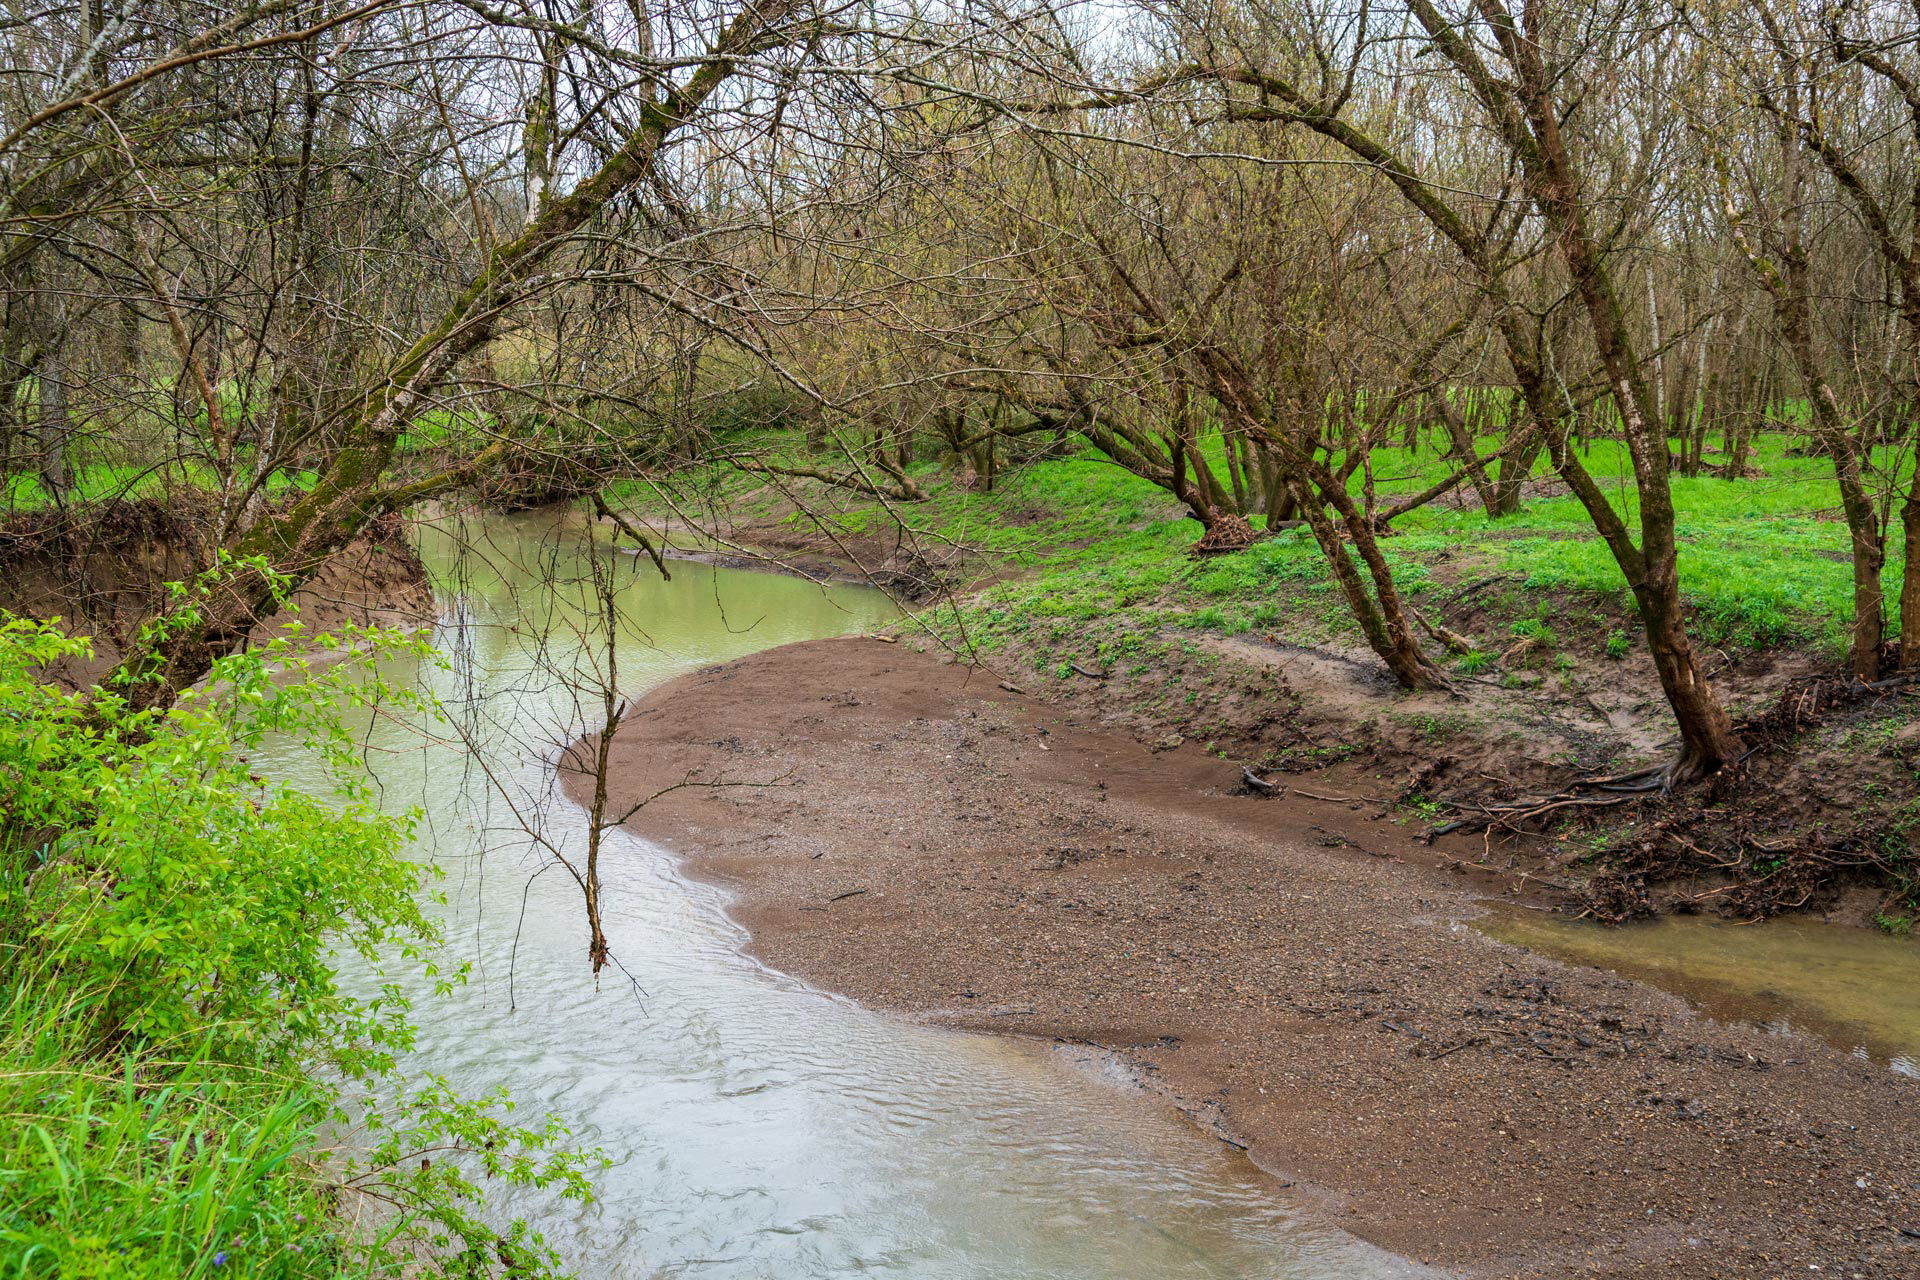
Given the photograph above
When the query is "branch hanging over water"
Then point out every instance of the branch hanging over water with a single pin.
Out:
(633, 531)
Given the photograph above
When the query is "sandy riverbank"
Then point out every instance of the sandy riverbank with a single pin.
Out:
(1291, 973)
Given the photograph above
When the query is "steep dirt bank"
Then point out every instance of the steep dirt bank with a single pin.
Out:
(1823, 815)
(1290, 972)
(103, 568)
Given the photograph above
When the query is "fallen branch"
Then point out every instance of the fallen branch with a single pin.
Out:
(1449, 639)
(1265, 788)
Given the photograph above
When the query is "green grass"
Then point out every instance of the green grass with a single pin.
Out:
(161, 1161)
(101, 482)
(1764, 560)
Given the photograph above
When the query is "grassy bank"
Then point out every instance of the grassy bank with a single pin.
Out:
(1077, 579)
(186, 1090)
(1765, 559)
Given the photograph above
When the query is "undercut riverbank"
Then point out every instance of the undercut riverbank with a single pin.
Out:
(1294, 974)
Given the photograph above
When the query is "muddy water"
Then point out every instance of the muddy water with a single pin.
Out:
(1853, 988)
(758, 1128)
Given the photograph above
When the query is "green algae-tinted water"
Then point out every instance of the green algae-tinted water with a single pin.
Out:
(1854, 988)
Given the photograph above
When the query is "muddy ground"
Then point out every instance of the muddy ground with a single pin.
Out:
(1293, 973)
(1819, 816)
(103, 569)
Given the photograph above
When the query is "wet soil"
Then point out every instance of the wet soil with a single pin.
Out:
(1820, 815)
(103, 569)
(1293, 973)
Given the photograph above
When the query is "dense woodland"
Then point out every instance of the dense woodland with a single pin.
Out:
(289, 269)
(319, 264)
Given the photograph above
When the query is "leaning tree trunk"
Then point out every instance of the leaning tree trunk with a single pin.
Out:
(1708, 741)
(1381, 614)
(353, 485)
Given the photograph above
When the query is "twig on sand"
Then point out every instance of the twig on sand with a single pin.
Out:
(1334, 799)
(1452, 1049)
(1259, 784)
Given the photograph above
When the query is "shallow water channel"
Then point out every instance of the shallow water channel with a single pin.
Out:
(758, 1128)
(1856, 989)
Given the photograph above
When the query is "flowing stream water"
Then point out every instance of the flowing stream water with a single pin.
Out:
(758, 1128)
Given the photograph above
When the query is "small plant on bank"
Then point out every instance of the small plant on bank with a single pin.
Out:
(1536, 630)
(1618, 644)
(1427, 808)
(1473, 662)
(1893, 926)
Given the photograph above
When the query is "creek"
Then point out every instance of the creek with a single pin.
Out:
(758, 1128)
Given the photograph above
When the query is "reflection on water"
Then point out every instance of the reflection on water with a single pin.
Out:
(1853, 988)
(759, 1128)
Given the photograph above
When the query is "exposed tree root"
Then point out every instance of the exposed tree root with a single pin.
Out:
(1226, 533)
(1746, 877)
(1805, 702)
(1587, 793)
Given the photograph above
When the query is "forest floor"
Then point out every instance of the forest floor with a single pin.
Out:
(1296, 973)
(1075, 581)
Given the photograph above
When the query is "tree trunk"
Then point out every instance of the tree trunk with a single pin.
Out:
(1910, 577)
(1707, 739)
(1380, 614)
(1706, 732)
(56, 424)
(1510, 485)
(1791, 291)
(1463, 449)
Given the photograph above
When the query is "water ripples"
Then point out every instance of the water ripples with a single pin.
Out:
(760, 1129)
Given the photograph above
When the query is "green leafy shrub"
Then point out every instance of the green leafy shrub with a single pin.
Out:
(174, 1048)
